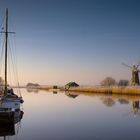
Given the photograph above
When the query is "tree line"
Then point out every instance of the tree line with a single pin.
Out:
(109, 81)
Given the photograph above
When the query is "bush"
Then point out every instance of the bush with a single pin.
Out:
(123, 83)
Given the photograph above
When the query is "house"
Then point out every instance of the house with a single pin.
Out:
(71, 84)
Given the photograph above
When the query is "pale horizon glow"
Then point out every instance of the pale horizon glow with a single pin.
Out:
(74, 40)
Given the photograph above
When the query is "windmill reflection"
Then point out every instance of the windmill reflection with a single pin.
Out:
(109, 102)
(8, 129)
(136, 107)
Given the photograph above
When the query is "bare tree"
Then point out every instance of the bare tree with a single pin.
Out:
(108, 81)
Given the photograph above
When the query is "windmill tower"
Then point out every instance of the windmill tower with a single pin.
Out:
(134, 74)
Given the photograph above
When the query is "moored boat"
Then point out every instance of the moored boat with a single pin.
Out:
(9, 101)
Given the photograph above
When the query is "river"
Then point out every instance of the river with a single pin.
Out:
(77, 116)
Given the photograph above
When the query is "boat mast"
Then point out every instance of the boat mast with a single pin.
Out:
(6, 42)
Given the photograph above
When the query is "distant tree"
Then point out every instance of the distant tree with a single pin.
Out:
(32, 85)
(123, 82)
(108, 81)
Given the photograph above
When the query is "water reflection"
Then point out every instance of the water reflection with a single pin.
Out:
(71, 95)
(123, 101)
(84, 116)
(8, 129)
(34, 90)
(55, 92)
(108, 101)
(135, 105)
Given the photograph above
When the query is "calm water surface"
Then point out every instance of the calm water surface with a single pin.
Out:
(67, 116)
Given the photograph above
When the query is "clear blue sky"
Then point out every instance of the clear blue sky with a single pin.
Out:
(74, 40)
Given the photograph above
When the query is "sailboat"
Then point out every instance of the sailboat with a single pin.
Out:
(9, 101)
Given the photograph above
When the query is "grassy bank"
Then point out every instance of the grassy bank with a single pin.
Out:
(131, 90)
(128, 90)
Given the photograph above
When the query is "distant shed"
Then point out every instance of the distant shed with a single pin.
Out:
(71, 84)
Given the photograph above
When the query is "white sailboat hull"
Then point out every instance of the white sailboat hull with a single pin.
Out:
(12, 104)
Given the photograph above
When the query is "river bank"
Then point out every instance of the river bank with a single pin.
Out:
(128, 90)
(121, 90)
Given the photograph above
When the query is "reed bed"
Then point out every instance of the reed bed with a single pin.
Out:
(133, 90)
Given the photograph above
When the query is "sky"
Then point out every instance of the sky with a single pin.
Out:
(74, 40)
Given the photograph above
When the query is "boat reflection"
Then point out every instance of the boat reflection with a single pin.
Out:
(8, 129)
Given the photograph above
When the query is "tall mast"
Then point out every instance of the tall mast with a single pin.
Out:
(6, 42)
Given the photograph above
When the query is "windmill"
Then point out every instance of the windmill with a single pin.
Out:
(135, 74)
